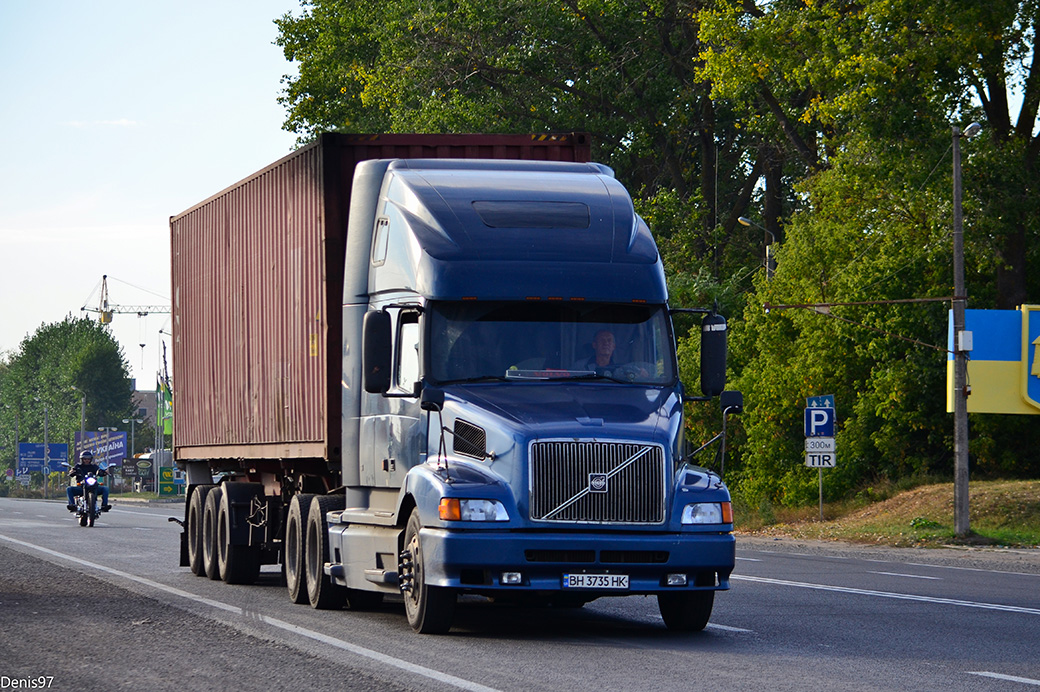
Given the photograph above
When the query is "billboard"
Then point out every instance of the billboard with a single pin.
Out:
(108, 447)
(1003, 365)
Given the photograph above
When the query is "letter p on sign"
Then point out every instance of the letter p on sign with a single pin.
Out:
(819, 422)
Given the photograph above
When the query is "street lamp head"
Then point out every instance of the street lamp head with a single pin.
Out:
(744, 221)
(972, 130)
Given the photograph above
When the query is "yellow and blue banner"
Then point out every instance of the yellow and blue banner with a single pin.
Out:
(1003, 365)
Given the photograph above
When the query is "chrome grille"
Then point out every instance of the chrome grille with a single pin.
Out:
(598, 482)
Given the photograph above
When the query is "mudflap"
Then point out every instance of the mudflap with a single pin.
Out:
(184, 549)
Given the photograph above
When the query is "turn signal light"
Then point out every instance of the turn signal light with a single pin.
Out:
(449, 509)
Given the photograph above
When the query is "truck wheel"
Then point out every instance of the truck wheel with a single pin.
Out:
(686, 612)
(429, 608)
(295, 578)
(196, 506)
(237, 564)
(321, 592)
(210, 512)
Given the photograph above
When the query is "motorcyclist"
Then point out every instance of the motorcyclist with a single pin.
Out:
(79, 471)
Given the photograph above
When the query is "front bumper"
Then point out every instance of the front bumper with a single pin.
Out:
(475, 560)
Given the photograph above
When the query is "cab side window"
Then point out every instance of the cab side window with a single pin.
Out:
(407, 365)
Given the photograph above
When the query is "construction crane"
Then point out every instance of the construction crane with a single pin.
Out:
(105, 310)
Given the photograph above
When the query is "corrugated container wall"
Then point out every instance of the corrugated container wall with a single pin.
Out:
(257, 281)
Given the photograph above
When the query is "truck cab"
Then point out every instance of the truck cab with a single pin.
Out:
(512, 414)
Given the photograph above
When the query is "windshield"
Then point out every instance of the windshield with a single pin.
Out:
(473, 341)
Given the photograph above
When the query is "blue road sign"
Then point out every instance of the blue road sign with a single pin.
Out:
(31, 457)
(819, 422)
(822, 401)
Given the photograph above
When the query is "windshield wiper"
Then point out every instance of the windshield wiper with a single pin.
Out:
(475, 378)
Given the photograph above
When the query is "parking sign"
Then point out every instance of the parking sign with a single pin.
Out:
(819, 422)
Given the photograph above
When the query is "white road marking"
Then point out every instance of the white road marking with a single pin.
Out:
(973, 569)
(274, 622)
(726, 628)
(1009, 678)
(888, 594)
(749, 559)
(897, 574)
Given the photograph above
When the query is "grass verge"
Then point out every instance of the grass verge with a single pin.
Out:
(1002, 513)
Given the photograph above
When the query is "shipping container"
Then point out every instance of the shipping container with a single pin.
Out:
(257, 273)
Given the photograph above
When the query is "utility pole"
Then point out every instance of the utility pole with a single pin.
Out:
(961, 518)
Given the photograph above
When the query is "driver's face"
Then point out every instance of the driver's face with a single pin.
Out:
(603, 344)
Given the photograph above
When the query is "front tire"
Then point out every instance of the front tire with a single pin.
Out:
(321, 592)
(430, 609)
(686, 612)
(90, 499)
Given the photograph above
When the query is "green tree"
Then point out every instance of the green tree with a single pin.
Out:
(624, 70)
(864, 95)
(56, 367)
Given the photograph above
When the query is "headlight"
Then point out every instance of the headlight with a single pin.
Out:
(91, 480)
(708, 513)
(465, 509)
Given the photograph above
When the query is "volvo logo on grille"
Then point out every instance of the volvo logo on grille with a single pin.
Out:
(598, 482)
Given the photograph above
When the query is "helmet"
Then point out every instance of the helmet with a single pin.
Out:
(86, 455)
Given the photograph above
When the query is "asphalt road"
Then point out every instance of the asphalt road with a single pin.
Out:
(108, 608)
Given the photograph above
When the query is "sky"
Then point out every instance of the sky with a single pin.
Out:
(114, 116)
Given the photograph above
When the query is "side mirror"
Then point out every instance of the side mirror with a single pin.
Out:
(731, 402)
(713, 355)
(376, 352)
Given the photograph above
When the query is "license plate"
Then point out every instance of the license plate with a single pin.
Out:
(595, 581)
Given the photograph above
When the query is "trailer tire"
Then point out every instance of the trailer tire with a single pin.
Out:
(293, 554)
(196, 506)
(686, 612)
(237, 564)
(210, 512)
(430, 609)
(322, 593)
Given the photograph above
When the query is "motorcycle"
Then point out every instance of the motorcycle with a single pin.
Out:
(87, 506)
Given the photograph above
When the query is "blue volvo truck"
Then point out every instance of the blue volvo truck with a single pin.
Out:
(423, 366)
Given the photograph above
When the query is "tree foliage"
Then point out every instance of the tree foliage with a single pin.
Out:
(56, 367)
(828, 121)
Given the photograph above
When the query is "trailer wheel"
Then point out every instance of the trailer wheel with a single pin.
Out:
(196, 506)
(295, 578)
(686, 612)
(322, 593)
(210, 512)
(430, 609)
(237, 564)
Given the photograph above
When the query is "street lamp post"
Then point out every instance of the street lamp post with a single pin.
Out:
(770, 265)
(82, 414)
(132, 422)
(16, 435)
(46, 448)
(961, 346)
